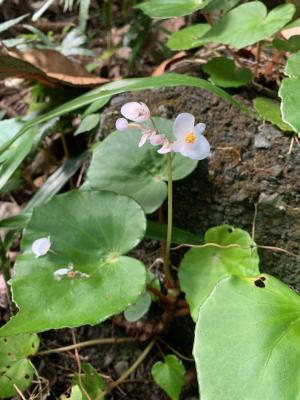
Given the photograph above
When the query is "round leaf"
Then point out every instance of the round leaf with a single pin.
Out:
(269, 109)
(119, 165)
(247, 341)
(202, 268)
(89, 232)
(15, 368)
(171, 8)
(289, 92)
(169, 375)
(137, 310)
(224, 73)
(248, 24)
(187, 38)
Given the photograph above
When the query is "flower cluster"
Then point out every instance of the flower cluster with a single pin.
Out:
(189, 139)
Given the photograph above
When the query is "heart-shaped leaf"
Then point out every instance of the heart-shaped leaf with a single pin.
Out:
(248, 24)
(15, 368)
(202, 268)
(119, 165)
(171, 8)
(223, 72)
(289, 92)
(269, 109)
(247, 343)
(187, 38)
(84, 278)
(169, 375)
(221, 5)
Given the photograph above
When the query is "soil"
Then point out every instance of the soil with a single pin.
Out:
(251, 167)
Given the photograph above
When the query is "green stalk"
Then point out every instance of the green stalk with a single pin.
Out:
(169, 279)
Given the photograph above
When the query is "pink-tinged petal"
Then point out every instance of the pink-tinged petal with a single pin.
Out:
(156, 140)
(166, 148)
(143, 140)
(183, 124)
(198, 150)
(199, 128)
(121, 124)
(135, 111)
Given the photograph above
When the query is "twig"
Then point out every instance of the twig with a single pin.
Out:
(87, 343)
(19, 392)
(133, 367)
(254, 221)
(189, 359)
(79, 366)
(235, 245)
(257, 58)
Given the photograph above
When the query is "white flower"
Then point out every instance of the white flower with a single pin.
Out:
(152, 136)
(157, 139)
(121, 124)
(134, 111)
(189, 139)
(40, 247)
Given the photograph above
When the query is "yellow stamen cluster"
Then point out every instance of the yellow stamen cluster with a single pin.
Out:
(190, 138)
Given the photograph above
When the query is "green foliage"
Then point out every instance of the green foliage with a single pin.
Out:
(188, 38)
(8, 24)
(292, 44)
(223, 72)
(169, 375)
(89, 231)
(118, 164)
(247, 341)
(171, 8)
(91, 382)
(88, 123)
(202, 268)
(248, 24)
(269, 110)
(221, 5)
(15, 368)
(290, 93)
(137, 310)
(158, 231)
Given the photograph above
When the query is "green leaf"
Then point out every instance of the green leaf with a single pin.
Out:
(88, 123)
(247, 341)
(158, 231)
(202, 268)
(91, 381)
(221, 5)
(137, 310)
(269, 110)
(292, 44)
(223, 72)
(248, 24)
(89, 231)
(169, 375)
(15, 368)
(119, 165)
(187, 38)
(8, 24)
(171, 8)
(127, 85)
(76, 394)
(289, 93)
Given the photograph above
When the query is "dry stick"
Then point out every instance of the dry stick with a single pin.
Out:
(254, 221)
(133, 367)
(234, 245)
(87, 343)
(19, 392)
(190, 359)
(79, 366)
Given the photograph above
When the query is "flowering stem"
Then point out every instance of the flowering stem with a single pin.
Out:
(169, 279)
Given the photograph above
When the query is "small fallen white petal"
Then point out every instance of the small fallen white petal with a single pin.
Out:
(40, 247)
(121, 124)
(143, 139)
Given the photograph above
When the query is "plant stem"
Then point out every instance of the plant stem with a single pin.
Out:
(133, 367)
(169, 279)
